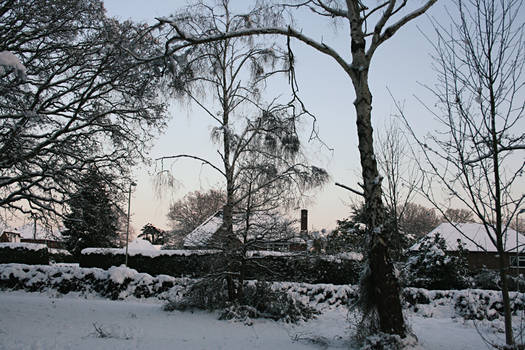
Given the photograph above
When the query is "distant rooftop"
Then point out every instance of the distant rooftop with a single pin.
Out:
(474, 236)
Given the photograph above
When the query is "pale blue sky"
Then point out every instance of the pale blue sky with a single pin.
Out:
(399, 64)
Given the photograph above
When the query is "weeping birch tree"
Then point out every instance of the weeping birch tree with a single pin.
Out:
(259, 150)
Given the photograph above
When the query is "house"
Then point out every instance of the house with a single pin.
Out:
(481, 252)
(265, 233)
(31, 233)
(10, 237)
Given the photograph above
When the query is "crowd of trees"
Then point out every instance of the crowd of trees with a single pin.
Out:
(82, 96)
(83, 101)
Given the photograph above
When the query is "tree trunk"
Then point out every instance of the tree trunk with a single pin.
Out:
(509, 336)
(383, 290)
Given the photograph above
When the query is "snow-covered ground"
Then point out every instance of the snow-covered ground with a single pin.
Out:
(52, 321)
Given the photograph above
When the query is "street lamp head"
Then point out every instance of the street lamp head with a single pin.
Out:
(133, 183)
(521, 211)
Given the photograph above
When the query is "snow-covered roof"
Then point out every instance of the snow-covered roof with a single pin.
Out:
(261, 225)
(204, 232)
(474, 236)
(142, 244)
(27, 231)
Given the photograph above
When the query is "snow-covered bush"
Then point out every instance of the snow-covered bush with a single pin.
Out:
(479, 304)
(259, 300)
(486, 279)
(433, 267)
(275, 303)
(116, 283)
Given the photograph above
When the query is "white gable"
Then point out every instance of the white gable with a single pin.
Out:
(474, 236)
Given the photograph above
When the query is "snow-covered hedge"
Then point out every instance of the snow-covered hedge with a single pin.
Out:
(270, 266)
(24, 253)
(115, 283)
(470, 304)
(123, 283)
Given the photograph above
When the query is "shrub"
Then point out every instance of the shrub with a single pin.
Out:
(486, 279)
(433, 267)
(259, 301)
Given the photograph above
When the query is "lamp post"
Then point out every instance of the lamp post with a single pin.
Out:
(127, 227)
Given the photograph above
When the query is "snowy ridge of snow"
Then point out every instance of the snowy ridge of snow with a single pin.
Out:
(28, 246)
(147, 252)
(58, 251)
(142, 244)
(343, 256)
(331, 258)
(262, 253)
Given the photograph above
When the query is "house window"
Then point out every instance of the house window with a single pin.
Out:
(519, 262)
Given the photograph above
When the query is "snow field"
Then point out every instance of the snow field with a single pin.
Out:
(65, 311)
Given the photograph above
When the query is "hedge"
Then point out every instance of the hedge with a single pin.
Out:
(269, 266)
(122, 283)
(24, 253)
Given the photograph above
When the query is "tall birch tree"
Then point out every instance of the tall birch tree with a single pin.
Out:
(368, 28)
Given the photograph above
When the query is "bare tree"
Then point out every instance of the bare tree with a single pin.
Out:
(418, 220)
(369, 28)
(459, 215)
(480, 62)
(259, 146)
(81, 102)
(402, 178)
(192, 210)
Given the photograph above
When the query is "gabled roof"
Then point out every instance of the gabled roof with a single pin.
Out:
(261, 225)
(475, 238)
(202, 235)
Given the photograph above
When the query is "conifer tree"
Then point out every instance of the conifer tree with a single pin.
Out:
(92, 219)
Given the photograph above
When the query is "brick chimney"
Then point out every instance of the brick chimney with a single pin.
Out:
(304, 220)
